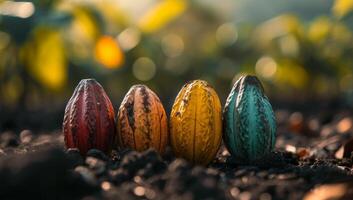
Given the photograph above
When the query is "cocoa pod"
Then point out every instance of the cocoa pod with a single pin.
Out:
(248, 120)
(196, 123)
(89, 118)
(142, 121)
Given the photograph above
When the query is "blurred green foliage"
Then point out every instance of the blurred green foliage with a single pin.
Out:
(46, 47)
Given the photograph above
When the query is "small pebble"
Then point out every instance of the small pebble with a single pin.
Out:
(106, 185)
(245, 196)
(73, 154)
(139, 191)
(98, 166)
(138, 179)
(234, 192)
(96, 153)
(86, 174)
(26, 136)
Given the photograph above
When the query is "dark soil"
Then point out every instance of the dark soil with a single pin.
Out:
(37, 166)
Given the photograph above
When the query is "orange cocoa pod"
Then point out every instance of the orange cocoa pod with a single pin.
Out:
(142, 121)
(89, 118)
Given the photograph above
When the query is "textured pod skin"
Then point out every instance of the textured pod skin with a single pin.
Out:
(196, 123)
(142, 121)
(89, 118)
(248, 120)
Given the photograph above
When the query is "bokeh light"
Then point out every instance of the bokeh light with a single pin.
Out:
(266, 67)
(144, 69)
(129, 38)
(177, 66)
(17, 9)
(139, 191)
(226, 34)
(108, 52)
(172, 45)
(289, 45)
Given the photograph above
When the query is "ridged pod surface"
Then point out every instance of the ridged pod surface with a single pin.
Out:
(249, 123)
(89, 118)
(142, 121)
(196, 123)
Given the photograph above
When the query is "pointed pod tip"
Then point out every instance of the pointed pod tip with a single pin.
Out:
(198, 82)
(139, 86)
(88, 81)
(251, 80)
(195, 81)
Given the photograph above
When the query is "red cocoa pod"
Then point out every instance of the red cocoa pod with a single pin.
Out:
(89, 118)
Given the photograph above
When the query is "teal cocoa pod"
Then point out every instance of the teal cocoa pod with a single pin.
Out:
(248, 121)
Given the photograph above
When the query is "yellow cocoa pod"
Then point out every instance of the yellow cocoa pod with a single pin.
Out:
(142, 121)
(196, 123)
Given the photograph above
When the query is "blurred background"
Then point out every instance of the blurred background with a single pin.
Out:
(301, 50)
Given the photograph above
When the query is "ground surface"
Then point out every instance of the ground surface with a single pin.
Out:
(306, 164)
